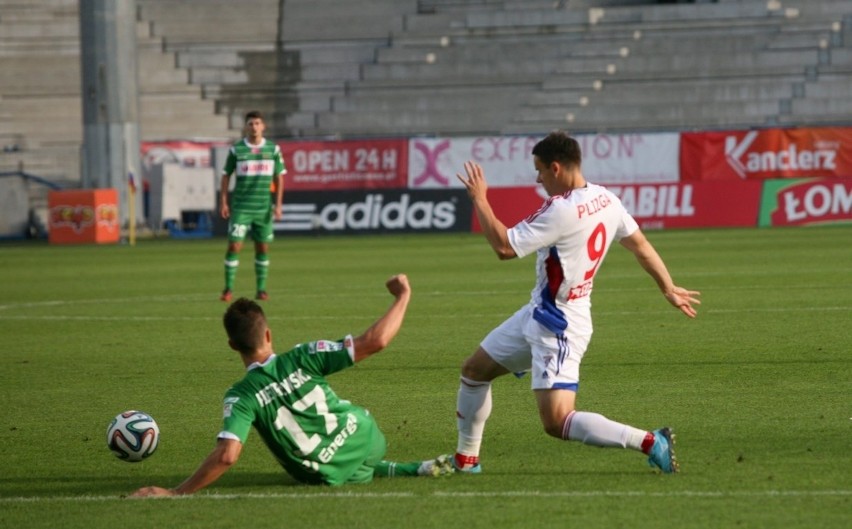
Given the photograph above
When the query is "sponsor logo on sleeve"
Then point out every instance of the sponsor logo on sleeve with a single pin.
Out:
(229, 406)
(326, 346)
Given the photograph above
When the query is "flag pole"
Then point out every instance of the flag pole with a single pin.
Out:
(131, 209)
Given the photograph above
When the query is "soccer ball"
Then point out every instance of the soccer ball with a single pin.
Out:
(133, 436)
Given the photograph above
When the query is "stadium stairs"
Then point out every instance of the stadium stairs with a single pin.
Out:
(358, 68)
(471, 67)
(41, 126)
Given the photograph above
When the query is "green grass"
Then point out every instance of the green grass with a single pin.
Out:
(757, 388)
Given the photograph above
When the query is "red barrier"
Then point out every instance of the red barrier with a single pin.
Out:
(83, 216)
(655, 206)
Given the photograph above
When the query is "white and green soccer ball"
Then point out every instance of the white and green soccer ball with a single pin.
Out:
(133, 436)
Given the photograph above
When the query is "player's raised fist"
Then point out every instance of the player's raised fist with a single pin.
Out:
(398, 285)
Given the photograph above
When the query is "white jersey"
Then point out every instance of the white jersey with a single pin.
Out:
(571, 234)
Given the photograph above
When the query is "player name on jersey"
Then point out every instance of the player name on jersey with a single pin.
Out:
(288, 385)
(593, 206)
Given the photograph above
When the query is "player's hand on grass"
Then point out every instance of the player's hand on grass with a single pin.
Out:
(153, 492)
(398, 285)
(684, 300)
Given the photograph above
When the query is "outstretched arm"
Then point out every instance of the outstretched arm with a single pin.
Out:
(279, 196)
(494, 230)
(651, 261)
(380, 334)
(222, 457)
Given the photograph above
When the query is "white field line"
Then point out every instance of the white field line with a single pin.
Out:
(425, 316)
(444, 495)
(375, 293)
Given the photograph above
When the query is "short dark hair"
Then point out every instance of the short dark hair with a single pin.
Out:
(245, 324)
(558, 146)
(252, 115)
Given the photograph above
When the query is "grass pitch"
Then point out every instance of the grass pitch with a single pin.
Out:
(757, 388)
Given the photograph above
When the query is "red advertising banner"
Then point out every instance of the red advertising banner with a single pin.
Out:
(654, 206)
(770, 153)
(366, 164)
(806, 201)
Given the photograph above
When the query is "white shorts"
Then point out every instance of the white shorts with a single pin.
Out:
(522, 344)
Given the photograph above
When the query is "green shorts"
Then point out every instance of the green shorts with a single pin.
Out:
(245, 223)
(378, 448)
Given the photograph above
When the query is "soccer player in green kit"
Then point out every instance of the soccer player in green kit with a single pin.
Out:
(317, 437)
(257, 163)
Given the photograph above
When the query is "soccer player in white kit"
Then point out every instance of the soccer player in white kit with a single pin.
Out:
(570, 235)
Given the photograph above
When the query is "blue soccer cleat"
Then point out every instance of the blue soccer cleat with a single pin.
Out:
(662, 454)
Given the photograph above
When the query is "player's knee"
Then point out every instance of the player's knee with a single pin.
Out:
(480, 366)
(553, 420)
(469, 369)
(553, 428)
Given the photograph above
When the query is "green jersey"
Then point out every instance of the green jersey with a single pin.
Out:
(255, 166)
(314, 435)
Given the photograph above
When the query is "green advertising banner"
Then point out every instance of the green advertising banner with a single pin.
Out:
(804, 201)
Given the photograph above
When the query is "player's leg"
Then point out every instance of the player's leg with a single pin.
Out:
(261, 268)
(263, 233)
(375, 465)
(504, 350)
(473, 407)
(561, 420)
(556, 370)
(596, 430)
(236, 234)
(440, 466)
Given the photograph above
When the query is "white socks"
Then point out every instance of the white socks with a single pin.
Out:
(472, 410)
(474, 407)
(595, 429)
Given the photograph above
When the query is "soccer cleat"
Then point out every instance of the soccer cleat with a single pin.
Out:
(226, 295)
(261, 295)
(466, 464)
(440, 466)
(662, 454)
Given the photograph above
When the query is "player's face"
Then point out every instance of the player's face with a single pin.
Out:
(546, 176)
(255, 128)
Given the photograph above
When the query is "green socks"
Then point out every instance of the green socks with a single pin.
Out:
(261, 270)
(391, 469)
(232, 262)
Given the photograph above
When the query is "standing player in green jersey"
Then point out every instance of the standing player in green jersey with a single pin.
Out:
(317, 437)
(257, 164)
